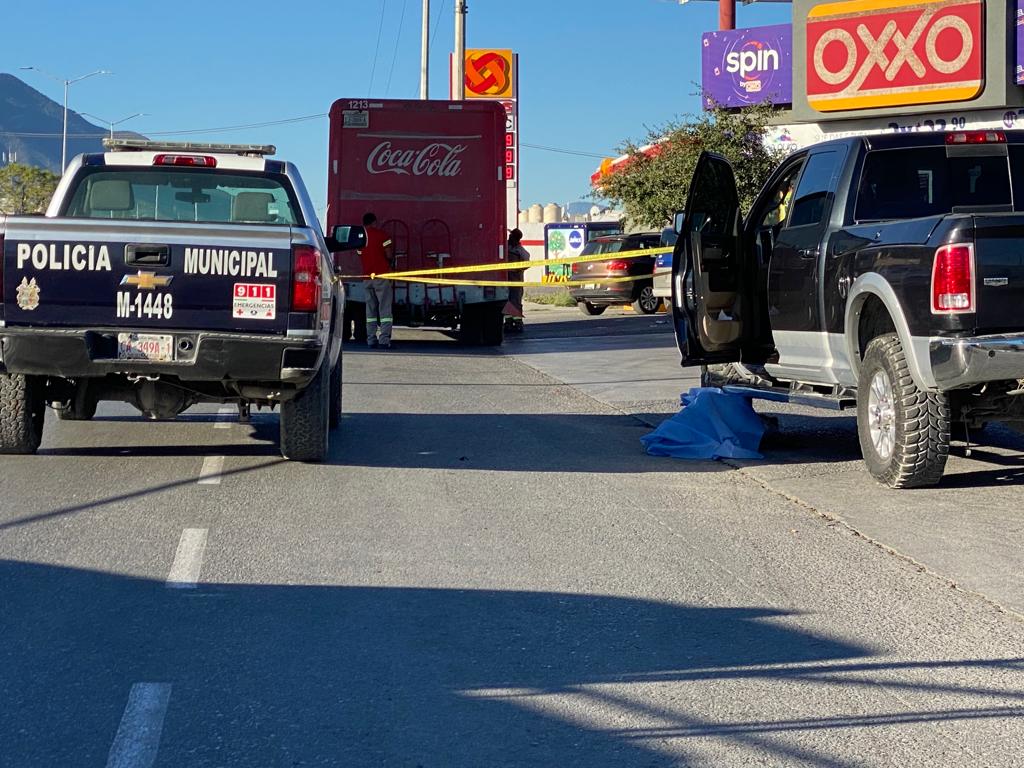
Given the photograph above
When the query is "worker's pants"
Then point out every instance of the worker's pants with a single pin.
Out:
(379, 294)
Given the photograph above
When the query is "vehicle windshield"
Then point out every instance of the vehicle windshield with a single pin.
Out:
(602, 246)
(184, 194)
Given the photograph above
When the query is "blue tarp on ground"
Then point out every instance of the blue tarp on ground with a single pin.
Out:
(711, 425)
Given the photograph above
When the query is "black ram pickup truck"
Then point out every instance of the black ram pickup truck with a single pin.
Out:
(884, 273)
(164, 275)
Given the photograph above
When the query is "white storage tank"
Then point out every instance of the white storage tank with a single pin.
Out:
(552, 213)
(535, 214)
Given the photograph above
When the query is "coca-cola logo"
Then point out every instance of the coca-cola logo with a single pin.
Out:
(436, 159)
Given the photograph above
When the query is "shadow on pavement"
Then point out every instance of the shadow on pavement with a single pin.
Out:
(307, 675)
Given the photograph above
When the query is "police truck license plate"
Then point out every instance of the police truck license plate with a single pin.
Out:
(145, 346)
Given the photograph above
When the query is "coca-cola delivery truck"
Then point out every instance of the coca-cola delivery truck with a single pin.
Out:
(433, 173)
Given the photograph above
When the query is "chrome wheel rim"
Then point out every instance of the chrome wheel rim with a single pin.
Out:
(882, 415)
(648, 300)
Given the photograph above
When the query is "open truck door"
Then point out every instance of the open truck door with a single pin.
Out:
(707, 286)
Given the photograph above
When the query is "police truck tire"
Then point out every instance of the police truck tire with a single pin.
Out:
(591, 309)
(22, 413)
(305, 420)
(903, 430)
(335, 397)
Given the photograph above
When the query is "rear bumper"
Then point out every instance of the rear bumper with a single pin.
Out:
(611, 294)
(201, 356)
(958, 363)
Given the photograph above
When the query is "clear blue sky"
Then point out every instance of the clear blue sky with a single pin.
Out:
(592, 74)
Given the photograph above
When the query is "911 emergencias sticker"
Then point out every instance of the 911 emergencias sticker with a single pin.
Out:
(254, 301)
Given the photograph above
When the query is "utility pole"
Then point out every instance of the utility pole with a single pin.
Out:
(727, 14)
(459, 86)
(425, 53)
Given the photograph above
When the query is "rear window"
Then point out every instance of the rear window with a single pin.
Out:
(184, 194)
(602, 246)
(912, 183)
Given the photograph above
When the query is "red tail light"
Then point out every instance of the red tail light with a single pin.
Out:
(305, 279)
(953, 279)
(198, 161)
(618, 265)
(976, 137)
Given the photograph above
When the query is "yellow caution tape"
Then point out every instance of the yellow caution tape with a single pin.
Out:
(502, 266)
(518, 283)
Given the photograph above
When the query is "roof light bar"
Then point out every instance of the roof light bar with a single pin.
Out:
(187, 147)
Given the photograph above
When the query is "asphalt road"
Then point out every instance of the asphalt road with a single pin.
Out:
(487, 572)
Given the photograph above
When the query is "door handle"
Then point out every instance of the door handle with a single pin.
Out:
(147, 255)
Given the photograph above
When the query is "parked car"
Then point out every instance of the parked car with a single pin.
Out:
(890, 281)
(594, 298)
(663, 265)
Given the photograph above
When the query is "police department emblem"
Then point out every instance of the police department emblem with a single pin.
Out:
(28, 294)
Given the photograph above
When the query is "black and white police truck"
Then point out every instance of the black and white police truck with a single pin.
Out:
(169, 274)
(883, 273)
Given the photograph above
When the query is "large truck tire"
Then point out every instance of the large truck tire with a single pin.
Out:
(591, 310)
(305, 420)
(903, 430)
(492, 325)
(22, 413)
(334, 408)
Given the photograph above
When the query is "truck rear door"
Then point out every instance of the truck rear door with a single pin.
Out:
(94, 273)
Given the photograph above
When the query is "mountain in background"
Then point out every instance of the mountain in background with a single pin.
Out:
(31, 125)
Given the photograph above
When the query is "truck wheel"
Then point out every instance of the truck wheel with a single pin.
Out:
(903, 431)
(492, 329)
(646, 302)
(22, 413)
(305, 420)
(335, 396)
(591, 309)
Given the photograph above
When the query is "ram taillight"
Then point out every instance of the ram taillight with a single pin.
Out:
(618, 265)
(305, 279)
(953, 279)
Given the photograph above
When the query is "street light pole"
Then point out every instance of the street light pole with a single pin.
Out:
(458, 87)
(67, 84)
(112, 123)
(425, 53)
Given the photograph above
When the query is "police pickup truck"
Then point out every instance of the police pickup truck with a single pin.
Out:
(884, 273)
(168, 274)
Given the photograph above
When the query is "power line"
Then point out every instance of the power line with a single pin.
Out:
(376, 50)
(562, 151)
(394, 55)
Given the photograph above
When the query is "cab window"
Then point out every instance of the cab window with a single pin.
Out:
(184, 194)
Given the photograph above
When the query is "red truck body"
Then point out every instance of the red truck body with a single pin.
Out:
(433, 173)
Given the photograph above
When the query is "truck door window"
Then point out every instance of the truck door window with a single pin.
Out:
(814, 192)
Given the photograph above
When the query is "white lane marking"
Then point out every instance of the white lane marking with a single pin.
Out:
(138, 736)
(188, 560)
(223, 418)
(211, 469)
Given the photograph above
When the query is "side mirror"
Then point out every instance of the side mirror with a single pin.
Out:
(677, 222)
(346, 238)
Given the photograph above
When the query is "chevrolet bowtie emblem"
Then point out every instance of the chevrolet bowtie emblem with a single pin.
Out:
(147, 281)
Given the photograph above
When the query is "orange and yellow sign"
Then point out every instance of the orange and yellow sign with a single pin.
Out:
(490, 74)
(884, 53)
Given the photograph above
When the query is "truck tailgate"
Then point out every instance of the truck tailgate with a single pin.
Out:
(90, 273)
(999, 260)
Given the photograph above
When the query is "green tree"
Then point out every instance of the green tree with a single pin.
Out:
(25, 188)
(652, 187)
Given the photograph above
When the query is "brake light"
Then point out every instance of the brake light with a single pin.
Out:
(953, 279)
(976, 137)
(198, 161)
(305, 279)
(619, 265)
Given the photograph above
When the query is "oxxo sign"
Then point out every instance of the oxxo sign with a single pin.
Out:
(883, 53)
